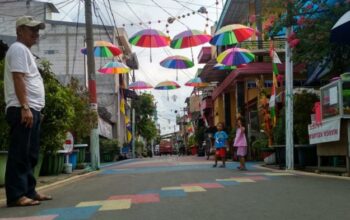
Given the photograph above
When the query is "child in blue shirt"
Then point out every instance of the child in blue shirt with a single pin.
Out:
(220, 144)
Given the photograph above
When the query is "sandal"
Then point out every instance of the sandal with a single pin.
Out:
(42, 197)
(24, 201)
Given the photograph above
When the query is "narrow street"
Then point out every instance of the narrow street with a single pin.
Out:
(171, 187)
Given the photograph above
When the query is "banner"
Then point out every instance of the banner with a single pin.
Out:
(326, 131)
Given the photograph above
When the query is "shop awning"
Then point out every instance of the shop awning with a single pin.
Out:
(250, 70)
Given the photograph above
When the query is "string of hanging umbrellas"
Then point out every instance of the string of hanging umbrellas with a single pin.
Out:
(151, 38)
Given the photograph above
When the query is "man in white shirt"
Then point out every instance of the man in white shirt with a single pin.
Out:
(25, 98)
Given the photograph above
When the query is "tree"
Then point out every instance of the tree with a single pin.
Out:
(145, 109)
(312, 22)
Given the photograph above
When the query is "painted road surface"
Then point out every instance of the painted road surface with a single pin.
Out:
(190, 188)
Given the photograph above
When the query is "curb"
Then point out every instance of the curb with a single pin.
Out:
(303, 173)
(61, 182)
(75, 178)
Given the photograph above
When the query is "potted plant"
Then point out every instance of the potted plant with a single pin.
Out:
(303, 105)
(109, 149)
(58, 117)
(260, 149)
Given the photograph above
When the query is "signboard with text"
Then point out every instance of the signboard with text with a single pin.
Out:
(326, 131)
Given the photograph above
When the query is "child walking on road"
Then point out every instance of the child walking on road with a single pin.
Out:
(241, 144)
(220, 144)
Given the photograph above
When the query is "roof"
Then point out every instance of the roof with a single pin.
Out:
(251, 69)
(209, 74)
(234, 11)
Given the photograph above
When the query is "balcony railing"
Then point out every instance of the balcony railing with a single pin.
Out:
(265, 45)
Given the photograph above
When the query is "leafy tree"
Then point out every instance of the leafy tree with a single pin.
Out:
(145, 109)
(58, 112)
(312, 22)
(3, 124)
(80, 101)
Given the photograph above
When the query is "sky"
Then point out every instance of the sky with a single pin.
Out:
(156, 12)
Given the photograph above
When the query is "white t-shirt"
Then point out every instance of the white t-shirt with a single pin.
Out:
(20, 59)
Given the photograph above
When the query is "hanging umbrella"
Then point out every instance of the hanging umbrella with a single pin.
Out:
(220, 66)
(140, 85)
(167, 85)
(235, 57)
(150, 38)
(114, 68)
(232, 34)
(189, 38)
(196, 82)
(104, 49)
(340, 32)
(177, 62)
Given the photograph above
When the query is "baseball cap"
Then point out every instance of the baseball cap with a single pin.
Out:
(29, 21)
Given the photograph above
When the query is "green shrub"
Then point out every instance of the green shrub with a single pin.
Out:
(3, 124)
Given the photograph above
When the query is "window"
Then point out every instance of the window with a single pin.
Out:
(50, 52)
(251, 84)
(268, 83)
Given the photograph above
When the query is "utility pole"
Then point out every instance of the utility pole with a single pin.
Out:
(94, 138)
(289, 94)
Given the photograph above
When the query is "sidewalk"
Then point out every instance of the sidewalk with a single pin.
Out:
(48, 180)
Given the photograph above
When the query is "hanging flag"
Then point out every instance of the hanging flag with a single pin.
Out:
(272, 103)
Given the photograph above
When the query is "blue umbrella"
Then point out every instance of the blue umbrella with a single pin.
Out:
(340, 32)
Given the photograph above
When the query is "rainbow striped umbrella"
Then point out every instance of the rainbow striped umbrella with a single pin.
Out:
(232, 34)
(114, 68)
(235, 57)
(167, 85)
(220, 66)
(140, 85)
(150, 38)
(177, 62)
(104, 49)
(196, 82)
(189, 38)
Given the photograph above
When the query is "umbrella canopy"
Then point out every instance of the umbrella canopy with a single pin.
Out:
(167, 85)
(149, 38)
(104, 49)
(235, 57)
(177, 62)
(232, 34)
(140, 85)
(220, 66)
(196, 82)
(114, 68)
(189, 38)
(340, 32)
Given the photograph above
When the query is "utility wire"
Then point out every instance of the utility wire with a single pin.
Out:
(169, 13)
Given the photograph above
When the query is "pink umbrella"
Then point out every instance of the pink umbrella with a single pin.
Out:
(140, 85)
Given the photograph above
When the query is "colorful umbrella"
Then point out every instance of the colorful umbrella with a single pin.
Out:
(167, 85)
(220, 66)
(232, 34)
(235, 57)
(104, 49)
(189, 38)
(150, 38)
(196, 82)
(340, 32)
(177, 62)
(114, 68)
(140, 85)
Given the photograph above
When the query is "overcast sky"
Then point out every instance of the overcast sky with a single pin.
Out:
(134, 12)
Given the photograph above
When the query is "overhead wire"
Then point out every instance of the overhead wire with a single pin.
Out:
(76, 40)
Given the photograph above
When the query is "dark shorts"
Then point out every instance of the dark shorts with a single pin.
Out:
(221, 152)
